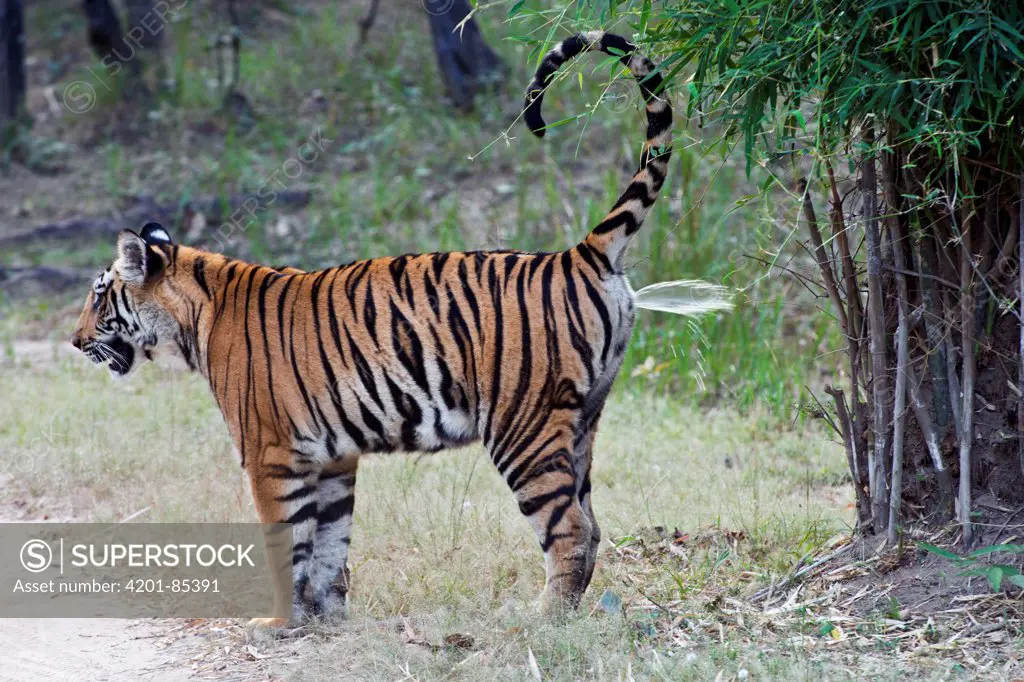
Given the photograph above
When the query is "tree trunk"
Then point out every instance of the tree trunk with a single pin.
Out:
(145, 26)
(12, 68)
(104, 29)
(468, 66)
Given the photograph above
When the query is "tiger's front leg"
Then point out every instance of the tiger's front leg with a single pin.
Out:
(284, 491)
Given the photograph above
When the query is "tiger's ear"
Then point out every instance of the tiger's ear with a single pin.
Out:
(154, 233)
(138, 262)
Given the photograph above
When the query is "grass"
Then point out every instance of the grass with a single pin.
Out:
(754, 496)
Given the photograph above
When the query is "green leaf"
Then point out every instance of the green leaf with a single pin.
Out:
(944, 553)
(1008, 570)
(563, 121)
(1017, 580)
(1013, 549)
(995, 577)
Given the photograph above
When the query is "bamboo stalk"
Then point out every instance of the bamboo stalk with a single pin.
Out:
(899, 409)
(876, 335)
(824, 264)
(1020, 302)
(898, 237)
(967, 408)
(855, 326)
(936, 333)
(849, 432)
(931, 439)
(849, 271)
(846, 427)
(954, 383)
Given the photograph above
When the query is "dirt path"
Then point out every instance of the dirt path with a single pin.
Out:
(85, 649)
(114, 649)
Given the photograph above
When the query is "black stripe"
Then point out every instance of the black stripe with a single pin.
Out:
(499, 334)
(296, 374)
(602, 312)
(363, 370)
(332, 319)
(533, 505)
(355, 276)
(336, 510)
(468, 293)
(353, 431)
(618, 220)
(280, 312)
(513, 476)
(199, 272)
(282, 471)
(411, 412)
(249, 378)
(297, 494)
(556, 515)
(397, 269)
(305, 513)
(432, 299)
(570, 290)
(439, 262)
(370, 314)
(590, 256)
(374, 425)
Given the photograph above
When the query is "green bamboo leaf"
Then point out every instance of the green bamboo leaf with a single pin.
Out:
(938, 551)
(1013, 549)
(995, 577)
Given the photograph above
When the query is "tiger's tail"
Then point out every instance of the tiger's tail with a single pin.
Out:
(609, 238)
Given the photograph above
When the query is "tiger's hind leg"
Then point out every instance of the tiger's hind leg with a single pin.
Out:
(329, 580)
(584, 495)
(542, 471)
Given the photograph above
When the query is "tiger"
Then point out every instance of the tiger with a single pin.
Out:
(312, 370)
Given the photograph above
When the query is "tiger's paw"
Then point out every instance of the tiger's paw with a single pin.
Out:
(268, 623)
(273, 628)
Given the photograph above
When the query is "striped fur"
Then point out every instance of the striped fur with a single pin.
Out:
(412, 353)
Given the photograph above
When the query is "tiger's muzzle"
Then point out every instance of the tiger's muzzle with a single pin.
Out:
(115, 352)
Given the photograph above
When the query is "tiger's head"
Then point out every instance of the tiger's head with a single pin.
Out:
(125, 320)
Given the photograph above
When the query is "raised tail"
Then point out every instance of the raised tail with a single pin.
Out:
(609, 238)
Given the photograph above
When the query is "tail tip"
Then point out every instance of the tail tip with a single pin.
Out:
(531, 115)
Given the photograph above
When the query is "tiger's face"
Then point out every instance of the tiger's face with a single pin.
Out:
(124, 323)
